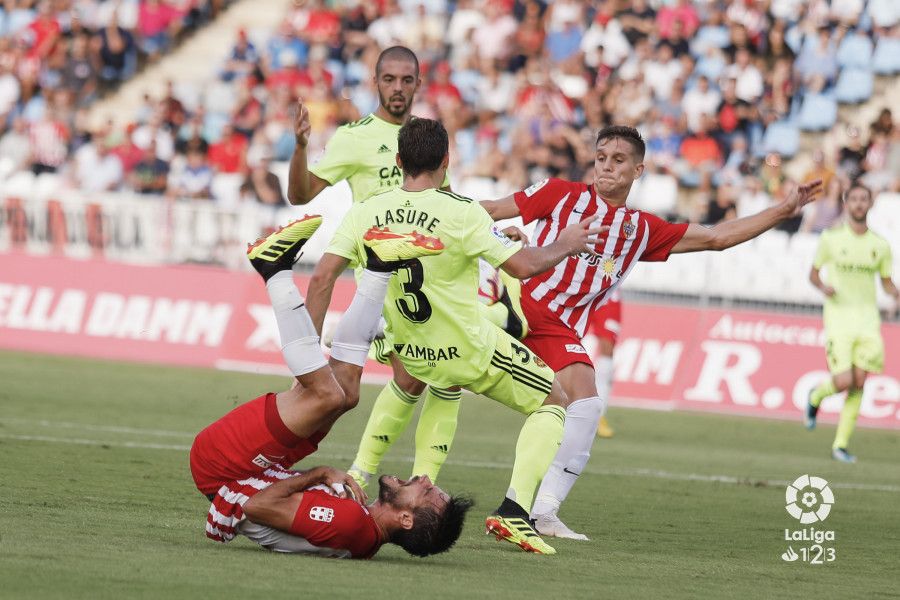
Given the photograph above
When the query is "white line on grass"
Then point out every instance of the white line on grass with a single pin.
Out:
(481, 464)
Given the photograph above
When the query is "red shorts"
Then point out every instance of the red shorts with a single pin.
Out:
(548, 337)
(606, 322)
(245, 442)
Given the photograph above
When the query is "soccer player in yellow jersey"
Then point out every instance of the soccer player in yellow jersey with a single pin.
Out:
(439, 332)
(364, 153)
(852, 255)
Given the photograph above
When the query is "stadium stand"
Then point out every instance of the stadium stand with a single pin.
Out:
(732, 97)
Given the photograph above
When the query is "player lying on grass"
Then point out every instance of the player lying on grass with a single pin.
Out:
(242, 461)
(439, 332)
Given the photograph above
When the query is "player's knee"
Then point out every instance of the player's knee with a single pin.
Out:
(332, 397)
(408, 383)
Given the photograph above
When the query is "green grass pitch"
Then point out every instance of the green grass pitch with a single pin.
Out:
(97, 501)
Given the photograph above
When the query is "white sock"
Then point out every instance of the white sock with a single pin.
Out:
(360, 324)
(603, 369)
(299, 341)
(582, 417)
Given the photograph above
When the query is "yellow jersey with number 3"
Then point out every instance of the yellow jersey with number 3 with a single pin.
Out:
(438, 327)
(364, 153)
(852, 262)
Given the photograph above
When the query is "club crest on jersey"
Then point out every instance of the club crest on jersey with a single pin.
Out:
(629, 227)
(321, 513)
(538, 361)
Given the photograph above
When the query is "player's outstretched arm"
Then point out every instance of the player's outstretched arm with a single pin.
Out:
(276, 505)
(731, 233)
(504, 208)
(318, 296)
(303, 186)
(574, 239)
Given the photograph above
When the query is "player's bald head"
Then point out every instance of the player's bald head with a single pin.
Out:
(399, 53)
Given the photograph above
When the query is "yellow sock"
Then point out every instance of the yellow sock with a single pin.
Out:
(537, 445)
(391, 414)
(434, 434)
(824, 389)
(847, 422)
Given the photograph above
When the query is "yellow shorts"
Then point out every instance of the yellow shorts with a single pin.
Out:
(516, 376)
(865, 351)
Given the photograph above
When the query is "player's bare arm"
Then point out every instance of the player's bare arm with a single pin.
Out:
(321, 285)
(731, 233)
(816, 279)
(277, 505)
(303, 186)
(504, 208)
(891, 290)
(574, 239)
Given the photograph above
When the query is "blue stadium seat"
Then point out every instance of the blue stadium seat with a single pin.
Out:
(854, 86)
(855, 51)
(781, 137)
(817, 113)
(886, 58)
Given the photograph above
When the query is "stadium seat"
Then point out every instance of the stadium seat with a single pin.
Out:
(781, 137)
(6, 167)
(818, 112)
(772, 244)
(655, 193)
(854, 86)
(225, 188)
(886, 58)
(46, 184)
(855, 52)
(803, 246)
(219, 97)
(20, 184)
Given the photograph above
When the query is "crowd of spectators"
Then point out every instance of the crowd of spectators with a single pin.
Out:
(522, 87)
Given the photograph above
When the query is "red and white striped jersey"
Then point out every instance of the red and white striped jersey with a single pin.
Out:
(580, 284)
(330, 526)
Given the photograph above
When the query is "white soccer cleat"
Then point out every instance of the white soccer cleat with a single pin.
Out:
(550, 525)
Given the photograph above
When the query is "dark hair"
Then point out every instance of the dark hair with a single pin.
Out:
(397, 53)
(856, 184)
(629, 134)
(422, 144)
(433, 533)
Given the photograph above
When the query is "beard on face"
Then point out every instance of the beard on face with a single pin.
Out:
(386, 494)
(386, 104)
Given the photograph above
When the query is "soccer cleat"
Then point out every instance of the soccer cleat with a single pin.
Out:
(550, 525)
(604, 430)
(518, 531)
(278, 250)
(359, 476)
(387, 251)
(809, 417)
(841, 455)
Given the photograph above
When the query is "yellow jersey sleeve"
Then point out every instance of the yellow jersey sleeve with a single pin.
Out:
(483, 238)
(823, 253)
(340, 160)
(345, 242)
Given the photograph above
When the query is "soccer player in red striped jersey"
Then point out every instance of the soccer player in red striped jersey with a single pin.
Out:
(242, 461)
(558, 303)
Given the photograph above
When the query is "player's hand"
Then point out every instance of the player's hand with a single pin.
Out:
(828, 291)
(583, 236)
(803, 194)
(301, 125)
(331, 476)
(516, 234)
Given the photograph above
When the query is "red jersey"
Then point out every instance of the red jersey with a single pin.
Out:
(580, 284)
(330, 526)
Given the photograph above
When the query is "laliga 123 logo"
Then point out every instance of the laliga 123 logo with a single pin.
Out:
(808, 499)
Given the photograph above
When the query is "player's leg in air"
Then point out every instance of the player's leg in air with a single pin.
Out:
(850, 360)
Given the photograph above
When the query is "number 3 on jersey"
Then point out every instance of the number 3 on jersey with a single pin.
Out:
(414, 304)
